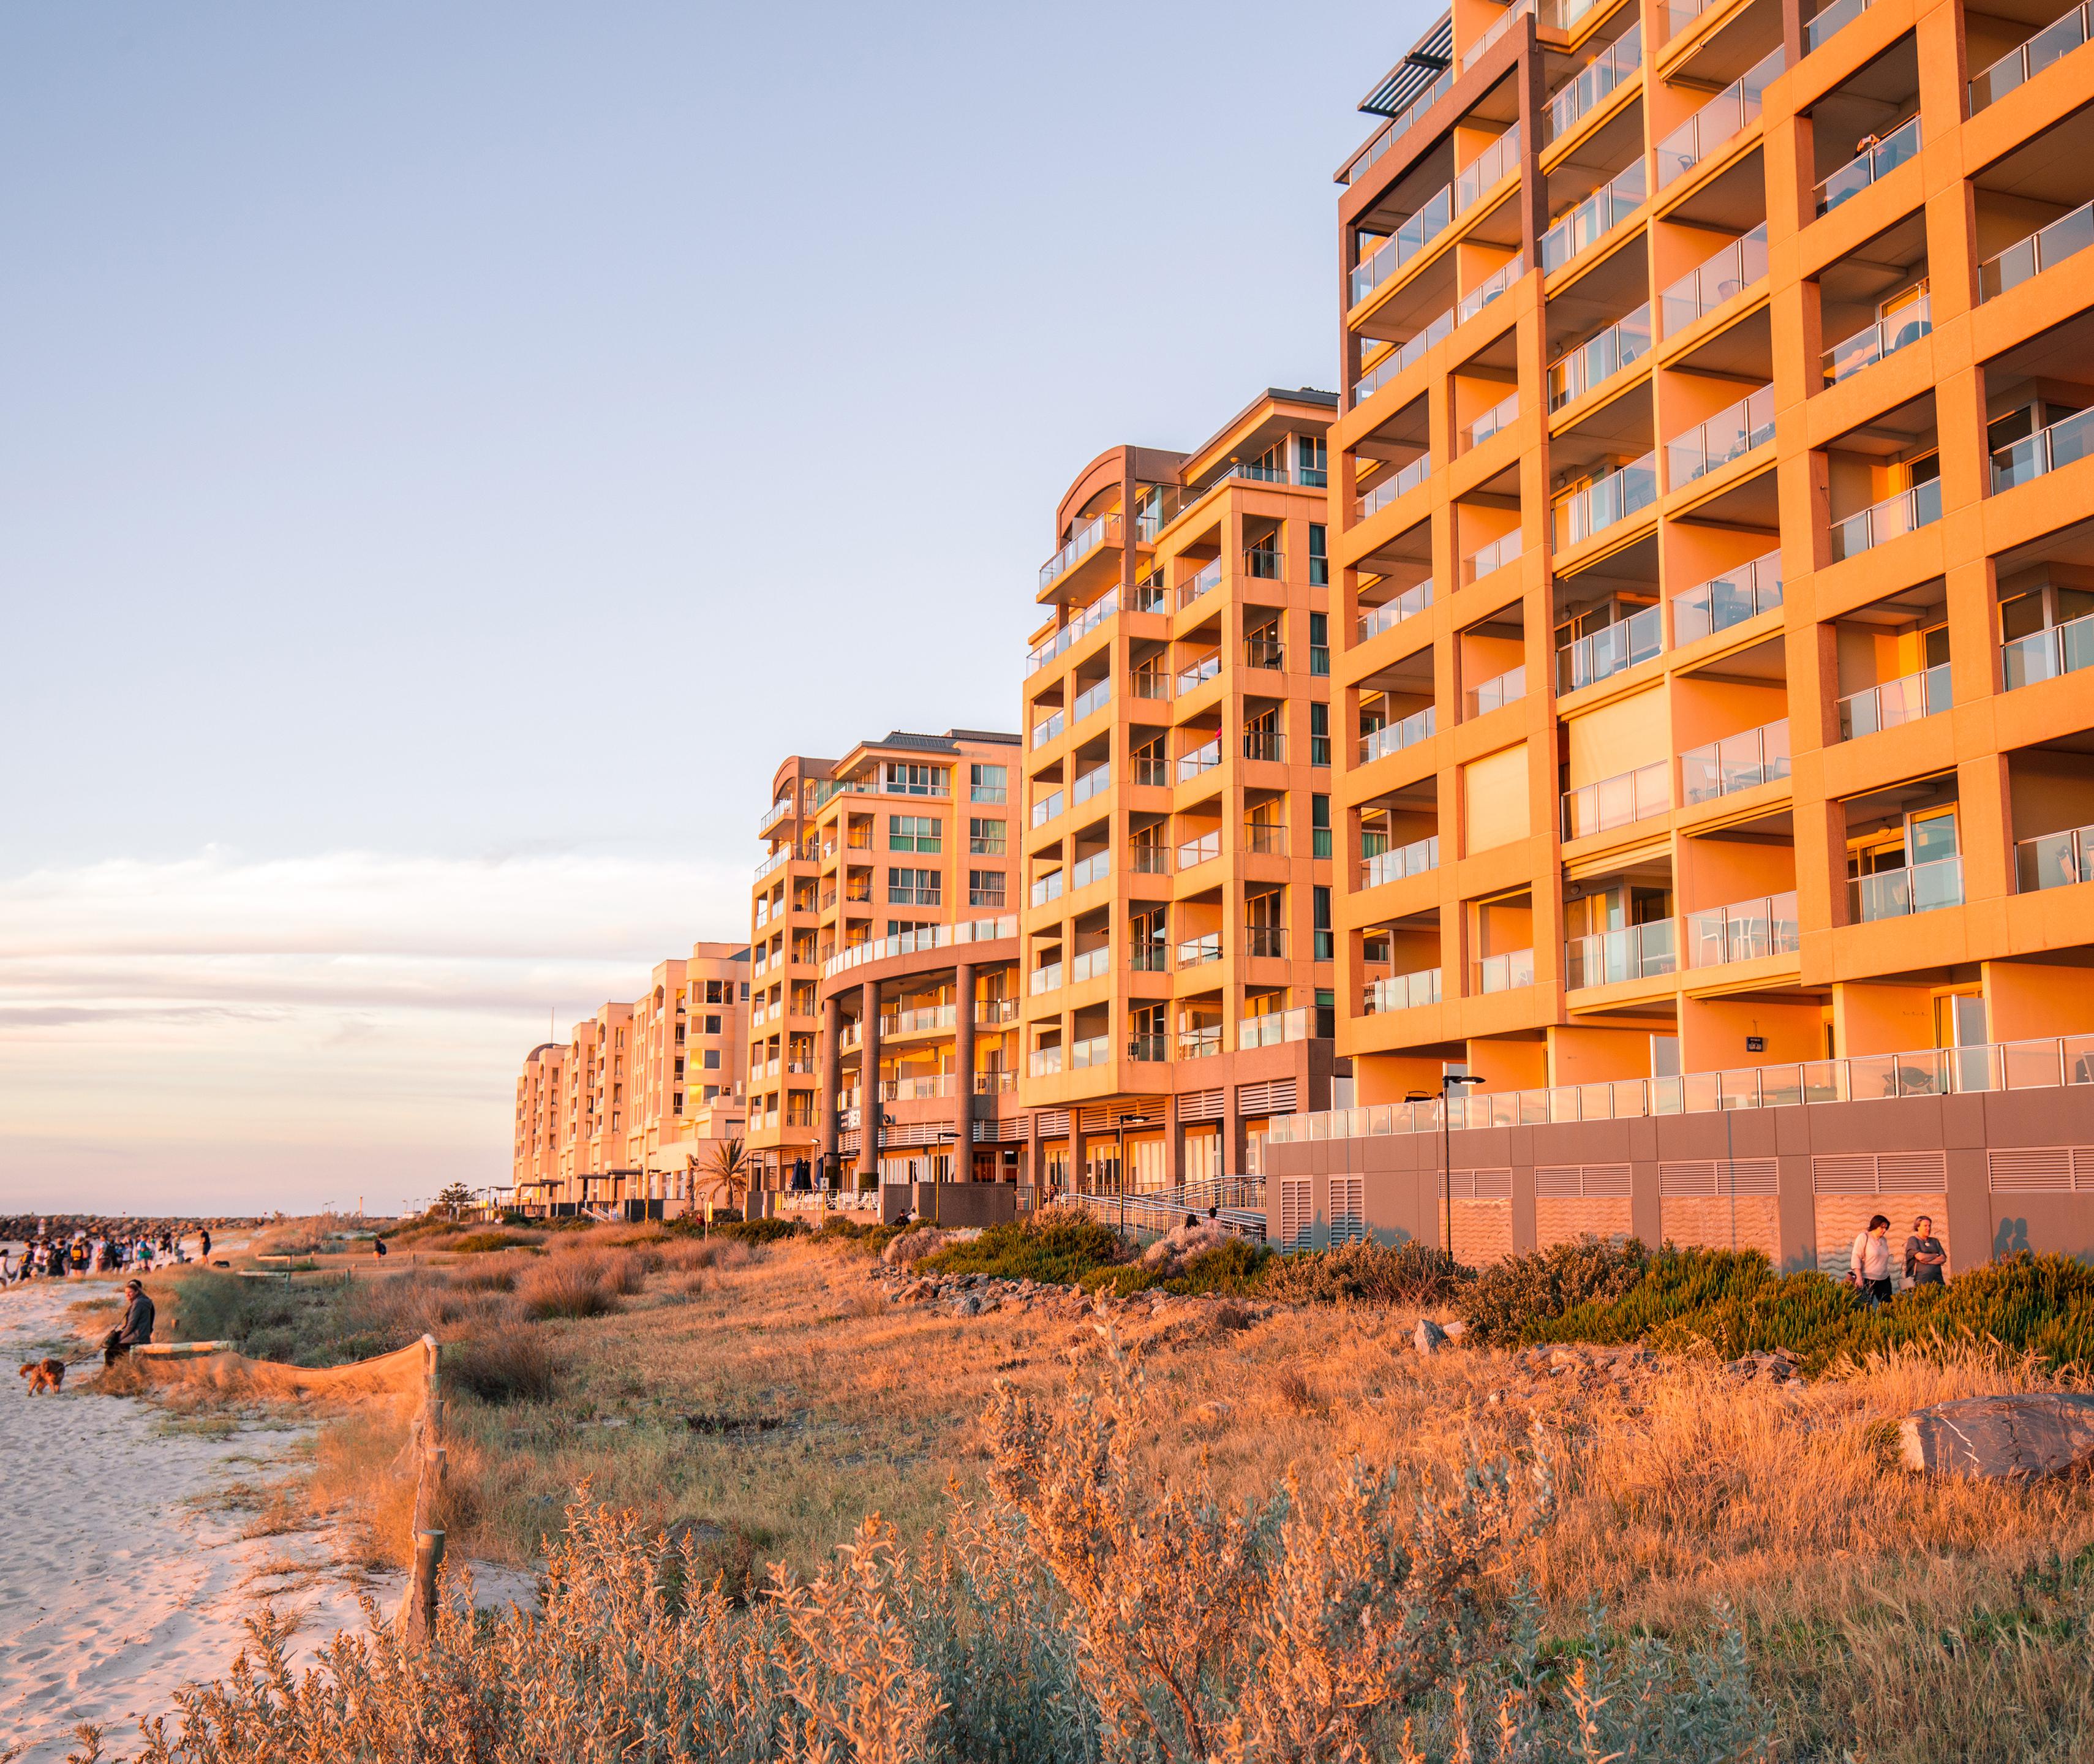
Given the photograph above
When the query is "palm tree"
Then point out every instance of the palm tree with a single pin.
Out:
(730, 1171)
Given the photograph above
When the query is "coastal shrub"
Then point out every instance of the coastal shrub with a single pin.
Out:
(759, 1230)
(509, 1365)
(1230, 1269)
(1059, 1245)
(841, 1232)
(1520, 1292)
(1365, 1272)
(565, 1286)
(479, 1242)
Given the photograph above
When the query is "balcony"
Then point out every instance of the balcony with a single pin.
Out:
(1393, 132)
(1204, 849)
(1201, 1043)
(918, 1022)
(1729, 434)
(1495, 693)
(1149, 683)
(1151, 1049)
(2054, 42)
(1207, 667)
(1268, 745)
(1895, 702)
(1401, 992)
(2068, 439)
(1149, 860)
(1742, 761)
(1261, 650)
(1500, 415)
(1045, 1062)
(1392, 365)
(1408, 239)
(1716, 281)
(1886, 156)
(1086, 870)
(1048, 727)
(1722, 119)
(1047, 808)
(1920, 887)
(1610, 650)
(1595, 362)
(1264, 839)
(1149, 957)
(1093, 964)
(1045, 979)
(1092, 699)
(1617, 801)
(1593, 83)
(1415, 858)
(1743, 932)
(1892, 518)
(1275, 1028)
(918, 1089)
(989, 1012)
(1197, 952)
(1101, 609)
(1491, 557)
(1104, 529)
(1264, 563)
(1828, 23)
(1093, 1050)
(774, 815)
(1047, 888)
(775, 861)
(997, 1082)
(1489, 289)
(1724, 601)
(1595, 217)
(1200, 760)
(1393, 737)
(2054, 860)
(2045, 654)
(1502, 973)
(1872, 343)
(1606, 502)
(1391, 613)
(1487, 170)
(1392, 485)
(1204, 583)
(1609, 958)
(1499, 26)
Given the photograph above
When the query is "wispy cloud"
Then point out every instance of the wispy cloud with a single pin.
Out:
(216, 1032)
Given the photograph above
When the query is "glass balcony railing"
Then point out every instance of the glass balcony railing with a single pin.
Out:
(1728, 600)
(2045, 654)
(1872, 343)
(1478, 49)
(1373, 620)
(1149, 860)
(1608, 650)
(1080, 627)
(1047, 978)
(1495, 693)
(1204, 583)
(1207, 667)
(2069, 439)
(1149, 1048)
(1269, 745)
(1197, 952)
(1743, 932)
(2054, 860)
(1595, 217)
(1200, 759)
(1606, 501)
(1722, 119)
(1892, 518)
(1264, 839)
(1415, 858)
(1048, 727)
(1680, 14)
(1275, 1028)
(1617, 801)
(1484, 173)
(1091, 965)
(1047, 888)
(1920, 887)
(1391, 486)
(1598, 360)
(774, 815)
(1877, 161)
(1091, 698)
(1265, 939)
(1500, 415)
(1149, 683)
(1393, 132)
(1104, 529)
(1491, 557)
(1047, 807)
(1633, 953)
(1401, 992)
(1086, 870)
(2054, 41)
(1390, 366)
(1741, 761)
(1490, 288)
(777, 860)
(1592, 84)
(1393, 737)
(1895, 702)
(1501, 973)
(1411, 237)
(1090, 784)
(1729, 434)
(1263, 563)
(1044, 1062)
(1829, 23)
(1195, 852)
(1714, 281)
(1203, 1042)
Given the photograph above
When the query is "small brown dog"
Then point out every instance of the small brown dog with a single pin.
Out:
(44, 1374)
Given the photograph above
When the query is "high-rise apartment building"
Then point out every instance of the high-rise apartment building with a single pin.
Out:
(1178, 932)
(1713, 521)
(887, 903)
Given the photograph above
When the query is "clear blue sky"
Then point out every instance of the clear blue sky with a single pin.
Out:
(434, 435)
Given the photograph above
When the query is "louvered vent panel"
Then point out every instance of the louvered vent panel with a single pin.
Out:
(1200, 1105)
(2032, 1170)
(1349, 1209)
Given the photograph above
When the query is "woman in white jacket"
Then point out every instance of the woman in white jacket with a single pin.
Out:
(1869, 1262)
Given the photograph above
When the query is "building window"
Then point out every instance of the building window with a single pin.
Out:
(713, 993)
(680, 1068)
(744, 992)
(915, 833)
(712, 1092)
(1319, 558)
(1320, 643)
(712, 1025)
(1319, 827)
(985, 887)
(1312, 463)
(985, 838)
(988, 784)
(915, 887)
(914, 780)
(1319, 735)
(1327, 1014)
(1326, 948)
(712, 1059)
(679, 1101)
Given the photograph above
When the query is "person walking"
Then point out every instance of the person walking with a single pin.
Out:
(1869, 1262)
(1926, 1261)
(137, 1328)
(206, 1243)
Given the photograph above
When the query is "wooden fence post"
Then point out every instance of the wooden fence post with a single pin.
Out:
(417, 1617)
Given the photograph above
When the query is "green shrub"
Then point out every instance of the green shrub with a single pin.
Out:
(480, 1242)
(1365, 1272)
(1510, 1296)
(1060, 1244)
(757, 1230)
(1236, 1268)
(1123, 1281)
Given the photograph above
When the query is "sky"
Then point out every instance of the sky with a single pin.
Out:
(450, 454)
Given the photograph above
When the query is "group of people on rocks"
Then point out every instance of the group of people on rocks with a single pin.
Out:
(1869, 1262)
(54, 1255)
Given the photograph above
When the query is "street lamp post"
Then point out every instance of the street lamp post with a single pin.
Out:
(1126, 1121)
(1447, 1093)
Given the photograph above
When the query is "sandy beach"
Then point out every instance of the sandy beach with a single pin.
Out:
(124, 1573)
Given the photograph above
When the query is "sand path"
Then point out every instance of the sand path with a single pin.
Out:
(122, 1575)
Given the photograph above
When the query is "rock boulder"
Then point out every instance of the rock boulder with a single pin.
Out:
(2023, 1438)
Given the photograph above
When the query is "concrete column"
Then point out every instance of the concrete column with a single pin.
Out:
(963, 1071)
(1231, 1134)
(832, 1082)
(1032, 1153)
(868, 1082)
